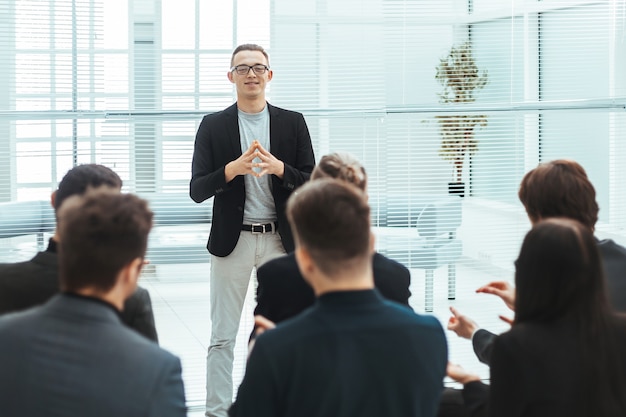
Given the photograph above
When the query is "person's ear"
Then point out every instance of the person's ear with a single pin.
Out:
(132, 271)
(230, 77)
(270, 74)
(53, 198)
(304, 260)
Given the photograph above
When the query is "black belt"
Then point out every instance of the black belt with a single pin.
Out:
(260, 228)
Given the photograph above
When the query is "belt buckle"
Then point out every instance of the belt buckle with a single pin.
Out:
(261, 226)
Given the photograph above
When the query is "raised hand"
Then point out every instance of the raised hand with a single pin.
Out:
(502, 289)
(262, 324)
(457, 373)
(462, 325)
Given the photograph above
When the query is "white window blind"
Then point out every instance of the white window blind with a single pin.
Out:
(125, 83)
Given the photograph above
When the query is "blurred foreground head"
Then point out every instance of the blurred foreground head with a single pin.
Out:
(559, 273)
(101, 232)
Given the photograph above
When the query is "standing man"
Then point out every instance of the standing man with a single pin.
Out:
(250, 156)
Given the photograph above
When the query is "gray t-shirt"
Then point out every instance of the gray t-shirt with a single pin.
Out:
(259, 207)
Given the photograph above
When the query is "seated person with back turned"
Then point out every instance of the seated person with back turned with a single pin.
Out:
(27, 284)
(353, 353)
(558, 188)
(72, 356)
(282, 292)
(564, 353)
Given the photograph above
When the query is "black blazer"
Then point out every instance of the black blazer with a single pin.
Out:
(614, 263)
(283, 293)
(27, 284)
(217, 143)
(535, 371)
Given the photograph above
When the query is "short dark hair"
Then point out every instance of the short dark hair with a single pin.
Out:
(100, 233)
(249, 47)
(331, 219)
(342, 166)
(78, 179)
(559, 188)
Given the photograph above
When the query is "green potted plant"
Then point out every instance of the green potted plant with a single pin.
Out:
(461, 79)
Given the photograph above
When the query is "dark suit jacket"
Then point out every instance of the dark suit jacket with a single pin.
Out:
(73, 357)
(535, 371)
(282, 291)
(217, 143)
(27, 284)
(352, 354)
(614, 263)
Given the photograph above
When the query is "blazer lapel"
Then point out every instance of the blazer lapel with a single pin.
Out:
(274, 131)
(232, 129)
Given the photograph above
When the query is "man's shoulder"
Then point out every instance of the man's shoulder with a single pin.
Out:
(29, 283)
(382, 264)
(216, 115)
(293, 329)
(34, 327)
(9, 270)
(20, 322)
(384, 314)
(610, 247)
(141, 296)
(401, 314)
(283, 112)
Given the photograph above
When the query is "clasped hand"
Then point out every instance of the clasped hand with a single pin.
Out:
(245, 164)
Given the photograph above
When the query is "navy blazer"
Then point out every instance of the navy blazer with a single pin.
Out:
(282, 291)
(73, 357)
(27, 284)
(352, 354)
(218, 143)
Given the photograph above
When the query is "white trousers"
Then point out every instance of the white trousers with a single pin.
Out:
(230, 276)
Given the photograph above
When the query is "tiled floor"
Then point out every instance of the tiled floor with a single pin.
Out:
(180, 295)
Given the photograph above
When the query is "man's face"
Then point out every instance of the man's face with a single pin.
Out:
(251, 85)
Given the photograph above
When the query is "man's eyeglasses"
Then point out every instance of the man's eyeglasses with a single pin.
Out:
(245, 69)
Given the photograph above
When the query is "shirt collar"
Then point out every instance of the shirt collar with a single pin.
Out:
(95, 300)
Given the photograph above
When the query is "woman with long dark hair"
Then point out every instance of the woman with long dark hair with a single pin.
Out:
(563, 354)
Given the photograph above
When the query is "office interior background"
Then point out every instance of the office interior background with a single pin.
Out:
(125, 83)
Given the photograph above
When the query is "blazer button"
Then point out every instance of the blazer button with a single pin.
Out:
(239, 208)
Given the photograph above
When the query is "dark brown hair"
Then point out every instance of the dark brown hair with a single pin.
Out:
(559, 188)
(78, 179)
(342, 166)
(331, 219)
(559, 273)
(249, 47)
(559, 277)
(101, 232)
